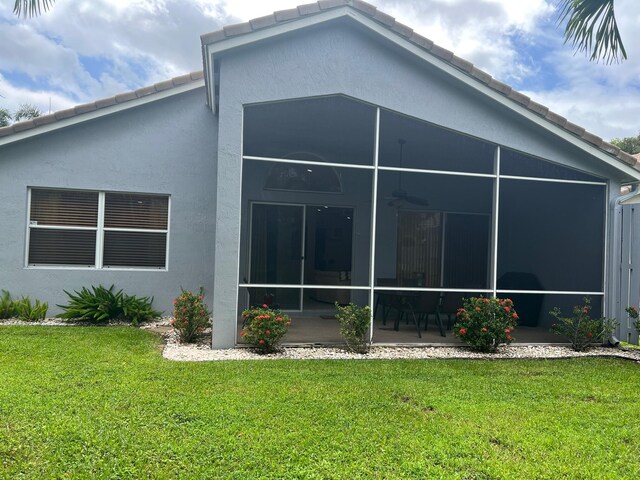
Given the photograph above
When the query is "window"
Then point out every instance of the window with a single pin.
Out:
(97, 229)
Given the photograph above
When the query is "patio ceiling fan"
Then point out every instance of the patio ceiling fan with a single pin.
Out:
(399, 196)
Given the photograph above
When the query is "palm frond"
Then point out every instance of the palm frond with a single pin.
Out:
(592, 28)
(31, 8)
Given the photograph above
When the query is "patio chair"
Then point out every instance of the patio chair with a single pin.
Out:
(428, 304)
(451, 302)
(384, 299)
(416, 307)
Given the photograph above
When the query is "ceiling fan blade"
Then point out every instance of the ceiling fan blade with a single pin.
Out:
(417, 200)
(399, 193)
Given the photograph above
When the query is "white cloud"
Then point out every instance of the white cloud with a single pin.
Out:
(248, 9)
(45, 100)
(87, 49)
(605, 99)
(84, 50)
(481, 31)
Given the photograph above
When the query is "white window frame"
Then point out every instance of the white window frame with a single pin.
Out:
(99, 229)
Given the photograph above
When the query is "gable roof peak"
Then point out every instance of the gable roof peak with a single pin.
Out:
(444, 55)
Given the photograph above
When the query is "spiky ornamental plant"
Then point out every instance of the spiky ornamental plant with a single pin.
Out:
(7, 305)
(28, 312)
(100, 305)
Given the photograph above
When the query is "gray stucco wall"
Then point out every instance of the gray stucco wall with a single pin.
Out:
(333, 59)
(167, 146)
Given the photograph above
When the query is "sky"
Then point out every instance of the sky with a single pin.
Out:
(84, 50)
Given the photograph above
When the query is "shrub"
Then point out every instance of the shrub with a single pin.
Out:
(633, 313)
(355, 322)
(27, 312)
(7, 305)
(264, 327)
(581, 330)
(100, 305)
(486, 323)
(609, 326)
(138, 309)
(190, 315)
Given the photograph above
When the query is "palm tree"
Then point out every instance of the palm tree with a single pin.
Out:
(26, 111)
(586, 17)
(5, 117)
(31, 8)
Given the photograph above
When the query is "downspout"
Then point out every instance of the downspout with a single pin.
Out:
(629, 198)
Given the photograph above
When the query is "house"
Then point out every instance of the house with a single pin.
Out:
(327, 153)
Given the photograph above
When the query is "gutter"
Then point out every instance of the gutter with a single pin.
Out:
(631, 198)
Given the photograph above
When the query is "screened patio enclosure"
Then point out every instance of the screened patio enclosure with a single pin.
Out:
(343, 202)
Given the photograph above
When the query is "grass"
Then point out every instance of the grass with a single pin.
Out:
(92, 402)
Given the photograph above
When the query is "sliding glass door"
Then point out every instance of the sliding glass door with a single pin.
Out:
(277, 240)
(295, 245)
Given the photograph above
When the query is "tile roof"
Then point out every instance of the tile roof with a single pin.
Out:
(292, 14)
(102, 103)
(407, 33)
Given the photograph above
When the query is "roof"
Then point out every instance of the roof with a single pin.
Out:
(156, 90)
(104, 103)
(407, 33)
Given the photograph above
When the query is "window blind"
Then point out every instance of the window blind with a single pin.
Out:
(134, 249)
(68, 227)
(125, 210)
(64, 208)
(62, 247)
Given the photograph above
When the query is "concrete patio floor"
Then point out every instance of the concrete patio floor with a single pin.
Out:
(321, 328)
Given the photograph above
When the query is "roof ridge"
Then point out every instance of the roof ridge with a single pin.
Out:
(371, 11)
(102, 103)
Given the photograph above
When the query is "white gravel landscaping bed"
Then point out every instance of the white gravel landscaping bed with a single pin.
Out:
(47, 322)
(202, 352)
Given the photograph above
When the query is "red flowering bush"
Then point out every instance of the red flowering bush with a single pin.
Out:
(190, 315)
(264, 327)
(486, 323)
(580, 329)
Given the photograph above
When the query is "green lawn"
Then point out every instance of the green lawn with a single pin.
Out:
(80, 402)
